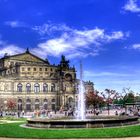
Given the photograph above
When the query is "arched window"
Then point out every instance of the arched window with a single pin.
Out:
(53, 100)
(52, 87)
(19, 104)
(19, 87)
(28, 87)
(36, 88)
(70, 99)
(45, 88)
(45, 104)
(28, 105)
(53, 104)
(37, 104)
(68, 77)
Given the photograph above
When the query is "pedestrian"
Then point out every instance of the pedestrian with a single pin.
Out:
(18, 113)
(66, 113)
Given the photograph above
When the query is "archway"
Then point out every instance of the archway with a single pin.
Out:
(28, 105)
(19, 105)
(53, 104)
(37, 104)
(45, 104)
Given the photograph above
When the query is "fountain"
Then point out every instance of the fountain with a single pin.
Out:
(81, 121)
(81, 97)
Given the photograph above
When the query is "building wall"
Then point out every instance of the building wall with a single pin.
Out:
(32, 74)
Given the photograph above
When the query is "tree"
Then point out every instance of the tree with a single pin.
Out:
(11, 104)
(92, 98)
(137, 97)
(119, 101)
(109, 96)
(128, 97)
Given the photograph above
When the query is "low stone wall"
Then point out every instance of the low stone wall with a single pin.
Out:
(87, 123)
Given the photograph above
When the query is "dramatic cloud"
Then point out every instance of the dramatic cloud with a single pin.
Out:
(132, 6)
(14, 24)
(74, 42)
(62, 39)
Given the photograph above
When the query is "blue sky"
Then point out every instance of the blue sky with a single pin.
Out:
(104, 34)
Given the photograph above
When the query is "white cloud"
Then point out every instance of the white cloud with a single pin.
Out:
(116, 35)
(74, 42)
(14, 24)
(51, 28)
(115, 79)
(9, 49)
(105, 74)
(136, 46)
(132, 6)
(62, 39)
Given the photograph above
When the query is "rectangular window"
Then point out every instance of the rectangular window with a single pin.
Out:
(40, 69)
(34, 69)
(46, 69)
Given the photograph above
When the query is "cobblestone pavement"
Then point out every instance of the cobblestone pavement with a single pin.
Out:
(132, 138)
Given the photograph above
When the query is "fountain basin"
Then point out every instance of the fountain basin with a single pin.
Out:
(87, 123)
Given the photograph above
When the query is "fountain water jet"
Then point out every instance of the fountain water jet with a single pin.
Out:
(81, 97)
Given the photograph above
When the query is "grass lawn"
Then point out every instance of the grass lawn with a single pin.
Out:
(14, 130)
(12, 118)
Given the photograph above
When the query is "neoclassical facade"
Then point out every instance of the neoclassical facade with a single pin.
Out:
(33, 83)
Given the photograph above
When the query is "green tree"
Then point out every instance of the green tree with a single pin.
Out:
(129, 96)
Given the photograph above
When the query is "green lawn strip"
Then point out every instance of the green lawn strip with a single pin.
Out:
(14, 130)
(13, 119)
